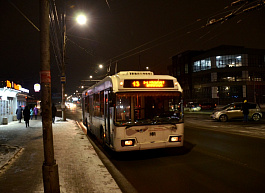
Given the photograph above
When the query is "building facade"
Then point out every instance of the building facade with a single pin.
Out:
(221, 75)
(11, 96)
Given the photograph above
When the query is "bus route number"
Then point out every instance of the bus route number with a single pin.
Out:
(136, 83)
(149, 84)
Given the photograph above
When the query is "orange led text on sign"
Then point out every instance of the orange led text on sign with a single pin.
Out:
(136, 83)
(153, 84)
(149, 84)
(8, 84)
(17, 86)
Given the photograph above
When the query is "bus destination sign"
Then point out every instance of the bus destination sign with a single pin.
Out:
(144, 83)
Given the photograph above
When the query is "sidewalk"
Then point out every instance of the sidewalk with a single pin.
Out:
(80, 169)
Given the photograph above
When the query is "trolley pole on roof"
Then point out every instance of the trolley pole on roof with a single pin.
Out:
(49, 167)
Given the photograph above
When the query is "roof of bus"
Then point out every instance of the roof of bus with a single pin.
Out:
(114, 81)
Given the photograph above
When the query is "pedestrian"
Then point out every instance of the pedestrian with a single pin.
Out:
(245, 109)
(35, 112)
(54, 111)
(31, 113)
(26, 114)
(19, 114)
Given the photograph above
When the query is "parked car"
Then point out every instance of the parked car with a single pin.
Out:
(207, 106)
(234, 111)
(193, 106)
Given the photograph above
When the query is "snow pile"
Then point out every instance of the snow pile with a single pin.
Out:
(7, 153)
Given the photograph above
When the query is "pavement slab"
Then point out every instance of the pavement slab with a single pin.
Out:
(80, 169)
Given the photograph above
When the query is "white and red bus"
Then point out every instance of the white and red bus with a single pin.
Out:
(135, 110)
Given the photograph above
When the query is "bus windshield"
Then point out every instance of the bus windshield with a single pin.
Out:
(145, 108)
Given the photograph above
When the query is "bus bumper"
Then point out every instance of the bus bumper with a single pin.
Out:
(149, 145)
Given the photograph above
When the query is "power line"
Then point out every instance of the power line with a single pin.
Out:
(56, 34)
(233, 13)
(161, 37)
(24, 15)
(240, 10)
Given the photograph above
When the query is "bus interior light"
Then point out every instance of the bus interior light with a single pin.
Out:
(175, 139)
(127, 142)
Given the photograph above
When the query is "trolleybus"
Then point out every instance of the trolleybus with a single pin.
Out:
(135, 110)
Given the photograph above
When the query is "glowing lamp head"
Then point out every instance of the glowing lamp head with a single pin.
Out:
(81, 19)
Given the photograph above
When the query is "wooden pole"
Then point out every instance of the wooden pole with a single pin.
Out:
(49, 168)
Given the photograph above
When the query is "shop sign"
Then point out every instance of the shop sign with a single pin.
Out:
(15, 86)
(8, 84)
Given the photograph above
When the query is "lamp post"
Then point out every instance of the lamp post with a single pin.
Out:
(81, 19)
(63, 78)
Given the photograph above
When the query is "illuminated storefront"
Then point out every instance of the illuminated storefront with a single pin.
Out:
(11, 96)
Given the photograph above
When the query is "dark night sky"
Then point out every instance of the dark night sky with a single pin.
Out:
(158, 29)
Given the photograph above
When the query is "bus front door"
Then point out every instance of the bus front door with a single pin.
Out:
(107, 120)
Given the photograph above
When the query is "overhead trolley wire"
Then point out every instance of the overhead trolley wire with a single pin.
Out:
(24, 15)
(233, 11)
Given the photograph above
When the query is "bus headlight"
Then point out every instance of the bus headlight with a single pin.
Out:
(127, 142)
(175, 139)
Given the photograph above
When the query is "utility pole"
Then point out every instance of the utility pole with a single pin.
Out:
(63, 78)
(49, 167)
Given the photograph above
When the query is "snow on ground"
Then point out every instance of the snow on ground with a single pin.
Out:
(7, 153)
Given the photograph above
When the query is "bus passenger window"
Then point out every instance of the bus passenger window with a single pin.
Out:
(96, 105)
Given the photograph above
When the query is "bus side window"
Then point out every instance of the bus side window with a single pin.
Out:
(101, 103)
(91, 106)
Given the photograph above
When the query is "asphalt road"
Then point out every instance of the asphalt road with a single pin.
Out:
(216, 157)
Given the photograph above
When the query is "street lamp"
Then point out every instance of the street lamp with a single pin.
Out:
(81, 19)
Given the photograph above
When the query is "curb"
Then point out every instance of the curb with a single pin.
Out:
(122, 182)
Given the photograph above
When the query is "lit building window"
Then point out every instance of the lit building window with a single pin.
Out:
(228, 61)
(196, 66)
(204, 64)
